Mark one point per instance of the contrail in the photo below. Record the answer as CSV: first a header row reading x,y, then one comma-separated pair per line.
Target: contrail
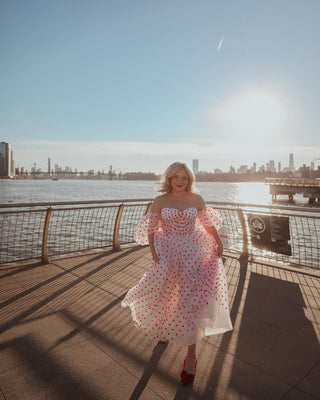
x,y
220,43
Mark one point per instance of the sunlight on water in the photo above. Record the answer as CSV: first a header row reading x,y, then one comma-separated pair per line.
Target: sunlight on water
x,y
256,193
240,192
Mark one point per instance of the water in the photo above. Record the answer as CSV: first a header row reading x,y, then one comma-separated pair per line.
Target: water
x,y
34,191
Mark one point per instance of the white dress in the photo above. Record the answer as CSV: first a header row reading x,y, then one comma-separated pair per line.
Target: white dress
x,y
184,296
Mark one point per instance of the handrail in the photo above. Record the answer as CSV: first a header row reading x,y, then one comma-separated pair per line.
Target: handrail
x,y
28,232
67,203
125,201
307,182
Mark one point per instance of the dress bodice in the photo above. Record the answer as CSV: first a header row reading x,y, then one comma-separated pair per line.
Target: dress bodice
x,y
173,221
179,222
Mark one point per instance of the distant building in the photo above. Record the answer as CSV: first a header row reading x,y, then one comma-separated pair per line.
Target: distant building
x,y
279,167
243,169
232,170
7,169
253,169
291,163
262,168
218,171
286,170
195,166
270,166
49,166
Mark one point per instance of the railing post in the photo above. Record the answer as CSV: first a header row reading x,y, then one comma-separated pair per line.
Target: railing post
x,y
244,253
116,244
45,258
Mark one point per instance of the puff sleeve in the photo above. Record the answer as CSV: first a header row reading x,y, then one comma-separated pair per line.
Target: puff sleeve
x,y
150,223
208,217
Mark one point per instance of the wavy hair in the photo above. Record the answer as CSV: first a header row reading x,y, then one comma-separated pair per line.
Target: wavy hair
x,y
165,182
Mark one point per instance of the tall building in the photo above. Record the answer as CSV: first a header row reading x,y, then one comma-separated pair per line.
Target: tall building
x,y
243,169
49,166
6,161
253,169
291,163
270,166
195,166
279,167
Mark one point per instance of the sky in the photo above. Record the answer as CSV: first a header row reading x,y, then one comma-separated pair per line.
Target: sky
x,y
138,84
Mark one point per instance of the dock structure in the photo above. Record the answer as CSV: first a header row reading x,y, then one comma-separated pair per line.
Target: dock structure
x,y
310,188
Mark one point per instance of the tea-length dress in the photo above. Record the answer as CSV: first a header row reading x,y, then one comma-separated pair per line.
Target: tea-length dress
x,y
182,297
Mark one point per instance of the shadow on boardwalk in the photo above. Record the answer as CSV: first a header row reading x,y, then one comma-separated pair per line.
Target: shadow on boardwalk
x,y
64,335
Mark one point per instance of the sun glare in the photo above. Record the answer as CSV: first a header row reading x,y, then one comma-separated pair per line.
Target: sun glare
x,y
255,114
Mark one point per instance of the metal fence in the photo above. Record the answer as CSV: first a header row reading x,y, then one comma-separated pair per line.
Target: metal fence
x,y
44,231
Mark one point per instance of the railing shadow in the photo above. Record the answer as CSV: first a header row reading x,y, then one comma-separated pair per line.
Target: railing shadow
x,y
150,368
66,288
257,293
16,269
269,333
60,383
210,391
275,347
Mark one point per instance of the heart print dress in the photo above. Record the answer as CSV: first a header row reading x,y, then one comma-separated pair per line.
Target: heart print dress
x,y
184,296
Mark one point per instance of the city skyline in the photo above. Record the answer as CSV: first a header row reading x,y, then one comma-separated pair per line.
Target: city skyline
x,y
271,166
149,83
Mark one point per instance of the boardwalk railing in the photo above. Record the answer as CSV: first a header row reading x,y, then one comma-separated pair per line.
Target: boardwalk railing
x,y
293,182
44,231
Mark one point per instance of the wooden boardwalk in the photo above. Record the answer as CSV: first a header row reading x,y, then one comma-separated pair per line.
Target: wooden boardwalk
x,y
65,336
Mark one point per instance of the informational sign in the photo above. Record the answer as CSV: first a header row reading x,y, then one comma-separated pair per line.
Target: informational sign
x,y
270,232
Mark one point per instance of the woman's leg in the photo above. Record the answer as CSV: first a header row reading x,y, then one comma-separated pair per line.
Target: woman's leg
x,y
190,367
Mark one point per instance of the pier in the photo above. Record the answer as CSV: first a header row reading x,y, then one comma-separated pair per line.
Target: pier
x,y
310,188
64,334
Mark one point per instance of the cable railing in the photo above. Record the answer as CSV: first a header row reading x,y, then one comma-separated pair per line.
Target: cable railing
x,y
45,231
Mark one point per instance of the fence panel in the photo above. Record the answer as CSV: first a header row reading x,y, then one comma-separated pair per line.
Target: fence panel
x,y
86,226
73,230
21,234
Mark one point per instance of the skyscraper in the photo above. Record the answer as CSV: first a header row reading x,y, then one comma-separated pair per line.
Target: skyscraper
x,y
279,167
291,163
6,161
195,166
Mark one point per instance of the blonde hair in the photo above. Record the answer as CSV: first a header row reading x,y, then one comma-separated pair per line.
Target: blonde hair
x,y
165,183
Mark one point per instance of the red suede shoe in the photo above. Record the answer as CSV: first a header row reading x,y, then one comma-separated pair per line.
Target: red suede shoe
x,y
185,377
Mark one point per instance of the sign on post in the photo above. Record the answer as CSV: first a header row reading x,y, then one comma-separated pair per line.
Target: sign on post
x,y
270,232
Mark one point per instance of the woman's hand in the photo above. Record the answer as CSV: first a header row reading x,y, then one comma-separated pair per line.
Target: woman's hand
x,y
155,257
220,249
152,249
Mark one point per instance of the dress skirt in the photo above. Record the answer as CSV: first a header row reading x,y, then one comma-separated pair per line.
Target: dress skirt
x,y
184,296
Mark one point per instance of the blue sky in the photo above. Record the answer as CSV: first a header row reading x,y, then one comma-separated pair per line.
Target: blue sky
x,y
142,83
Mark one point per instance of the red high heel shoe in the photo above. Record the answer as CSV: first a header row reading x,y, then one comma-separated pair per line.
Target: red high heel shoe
x,y
185,377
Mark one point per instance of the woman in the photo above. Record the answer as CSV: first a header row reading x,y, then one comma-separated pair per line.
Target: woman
x,y
183,296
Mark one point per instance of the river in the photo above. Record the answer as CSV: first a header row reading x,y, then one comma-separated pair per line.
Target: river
x,y
33,191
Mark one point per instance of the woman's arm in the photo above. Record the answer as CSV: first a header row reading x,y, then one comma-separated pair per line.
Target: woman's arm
x,y
152,249
212,231
156,208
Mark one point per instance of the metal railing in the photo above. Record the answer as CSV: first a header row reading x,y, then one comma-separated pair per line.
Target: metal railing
x,y
44,231
293,182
